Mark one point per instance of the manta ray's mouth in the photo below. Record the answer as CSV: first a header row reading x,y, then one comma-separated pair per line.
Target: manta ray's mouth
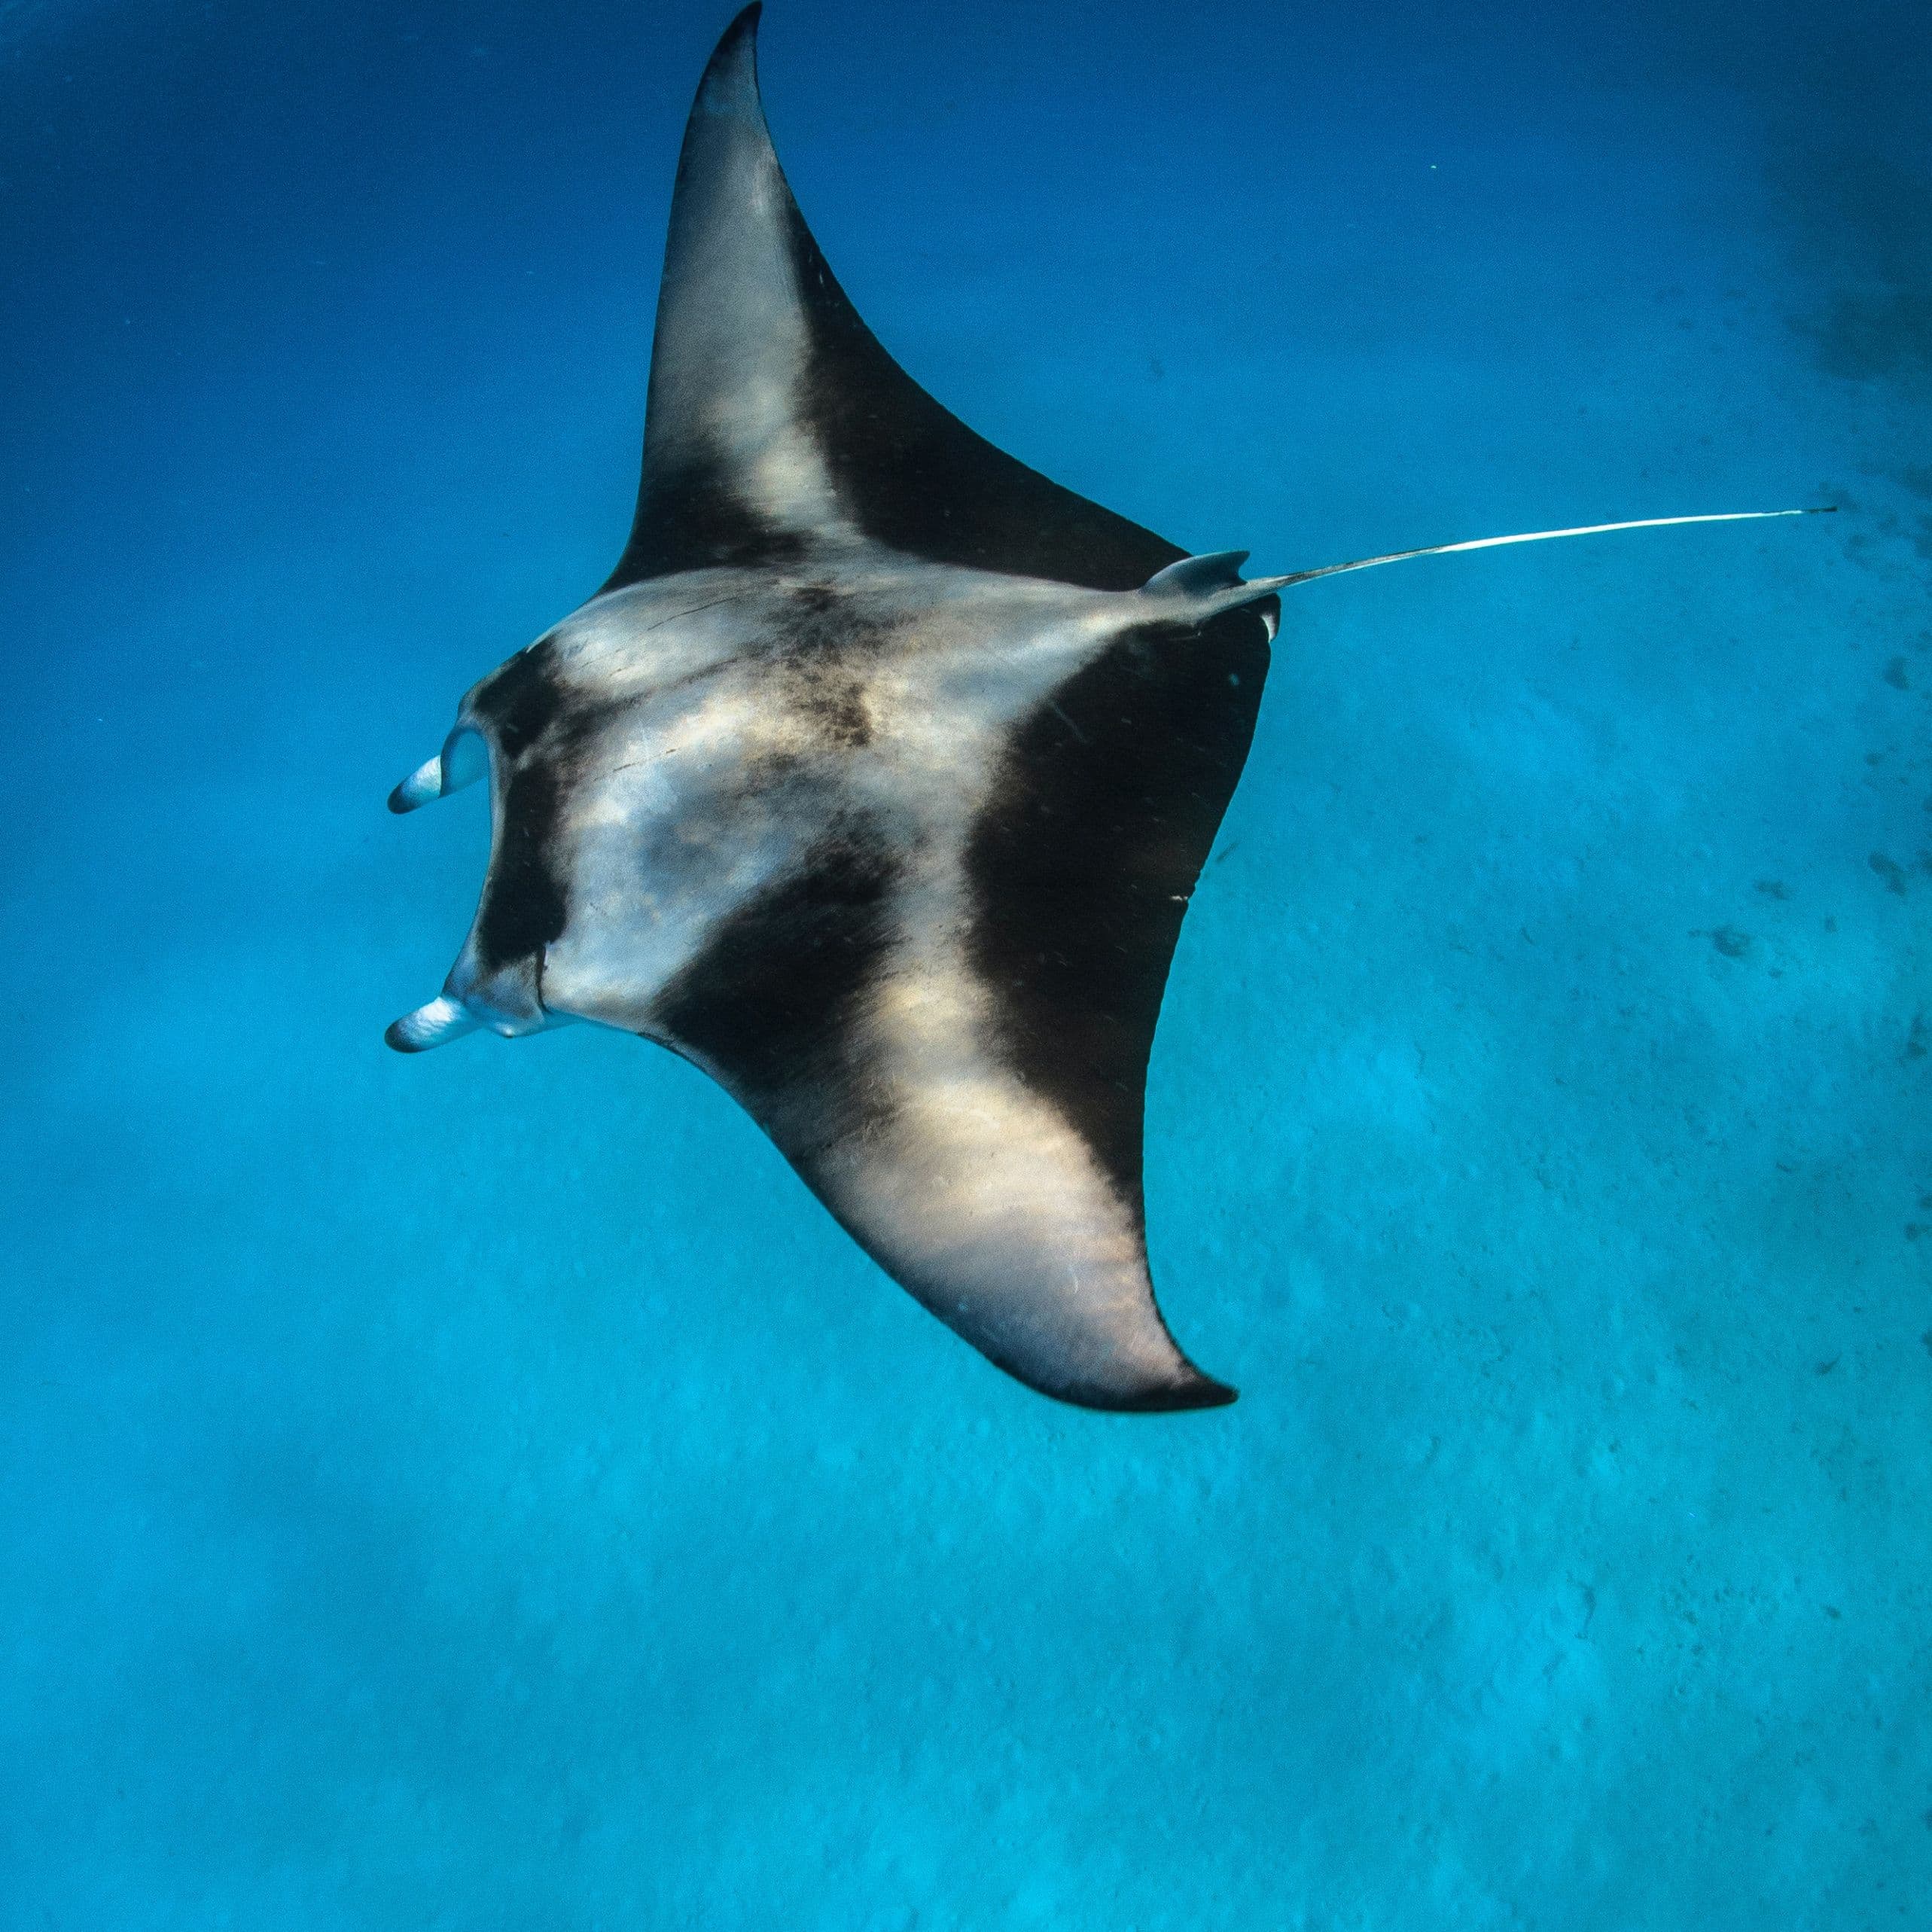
x,y
483,989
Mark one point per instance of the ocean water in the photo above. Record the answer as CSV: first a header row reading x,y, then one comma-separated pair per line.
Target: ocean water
x,y
485,1490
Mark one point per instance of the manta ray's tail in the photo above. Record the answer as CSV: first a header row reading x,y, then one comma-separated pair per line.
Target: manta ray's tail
x,y
1211,583
1540,537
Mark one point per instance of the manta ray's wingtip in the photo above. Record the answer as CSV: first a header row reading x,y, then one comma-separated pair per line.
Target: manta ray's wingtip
x,y
728,90
1190,1389
1203,1392
743,32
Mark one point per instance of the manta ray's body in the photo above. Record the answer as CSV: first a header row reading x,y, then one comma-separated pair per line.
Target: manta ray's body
x,y
875,781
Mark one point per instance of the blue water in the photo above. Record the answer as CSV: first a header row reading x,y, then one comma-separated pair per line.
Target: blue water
x,y
485,1490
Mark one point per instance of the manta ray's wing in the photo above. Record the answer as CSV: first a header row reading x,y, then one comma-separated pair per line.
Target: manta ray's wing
x,y
776,420
999,1176
949,1036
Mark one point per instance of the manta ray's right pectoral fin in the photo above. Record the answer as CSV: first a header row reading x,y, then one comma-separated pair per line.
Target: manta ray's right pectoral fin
x,y
461,761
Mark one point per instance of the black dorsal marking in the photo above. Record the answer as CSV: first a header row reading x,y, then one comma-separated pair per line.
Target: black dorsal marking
x,y
1106,809
771,1002
910,474
524,908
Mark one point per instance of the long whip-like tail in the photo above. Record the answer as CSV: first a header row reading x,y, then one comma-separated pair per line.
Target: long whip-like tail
x,y
1542,536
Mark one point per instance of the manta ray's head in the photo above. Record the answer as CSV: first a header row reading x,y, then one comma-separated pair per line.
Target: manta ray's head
x,y
496,980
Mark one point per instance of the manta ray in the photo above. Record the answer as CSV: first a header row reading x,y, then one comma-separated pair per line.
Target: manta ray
x,y
875,781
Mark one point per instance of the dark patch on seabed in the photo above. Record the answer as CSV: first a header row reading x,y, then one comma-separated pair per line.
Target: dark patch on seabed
x,y
1864,217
